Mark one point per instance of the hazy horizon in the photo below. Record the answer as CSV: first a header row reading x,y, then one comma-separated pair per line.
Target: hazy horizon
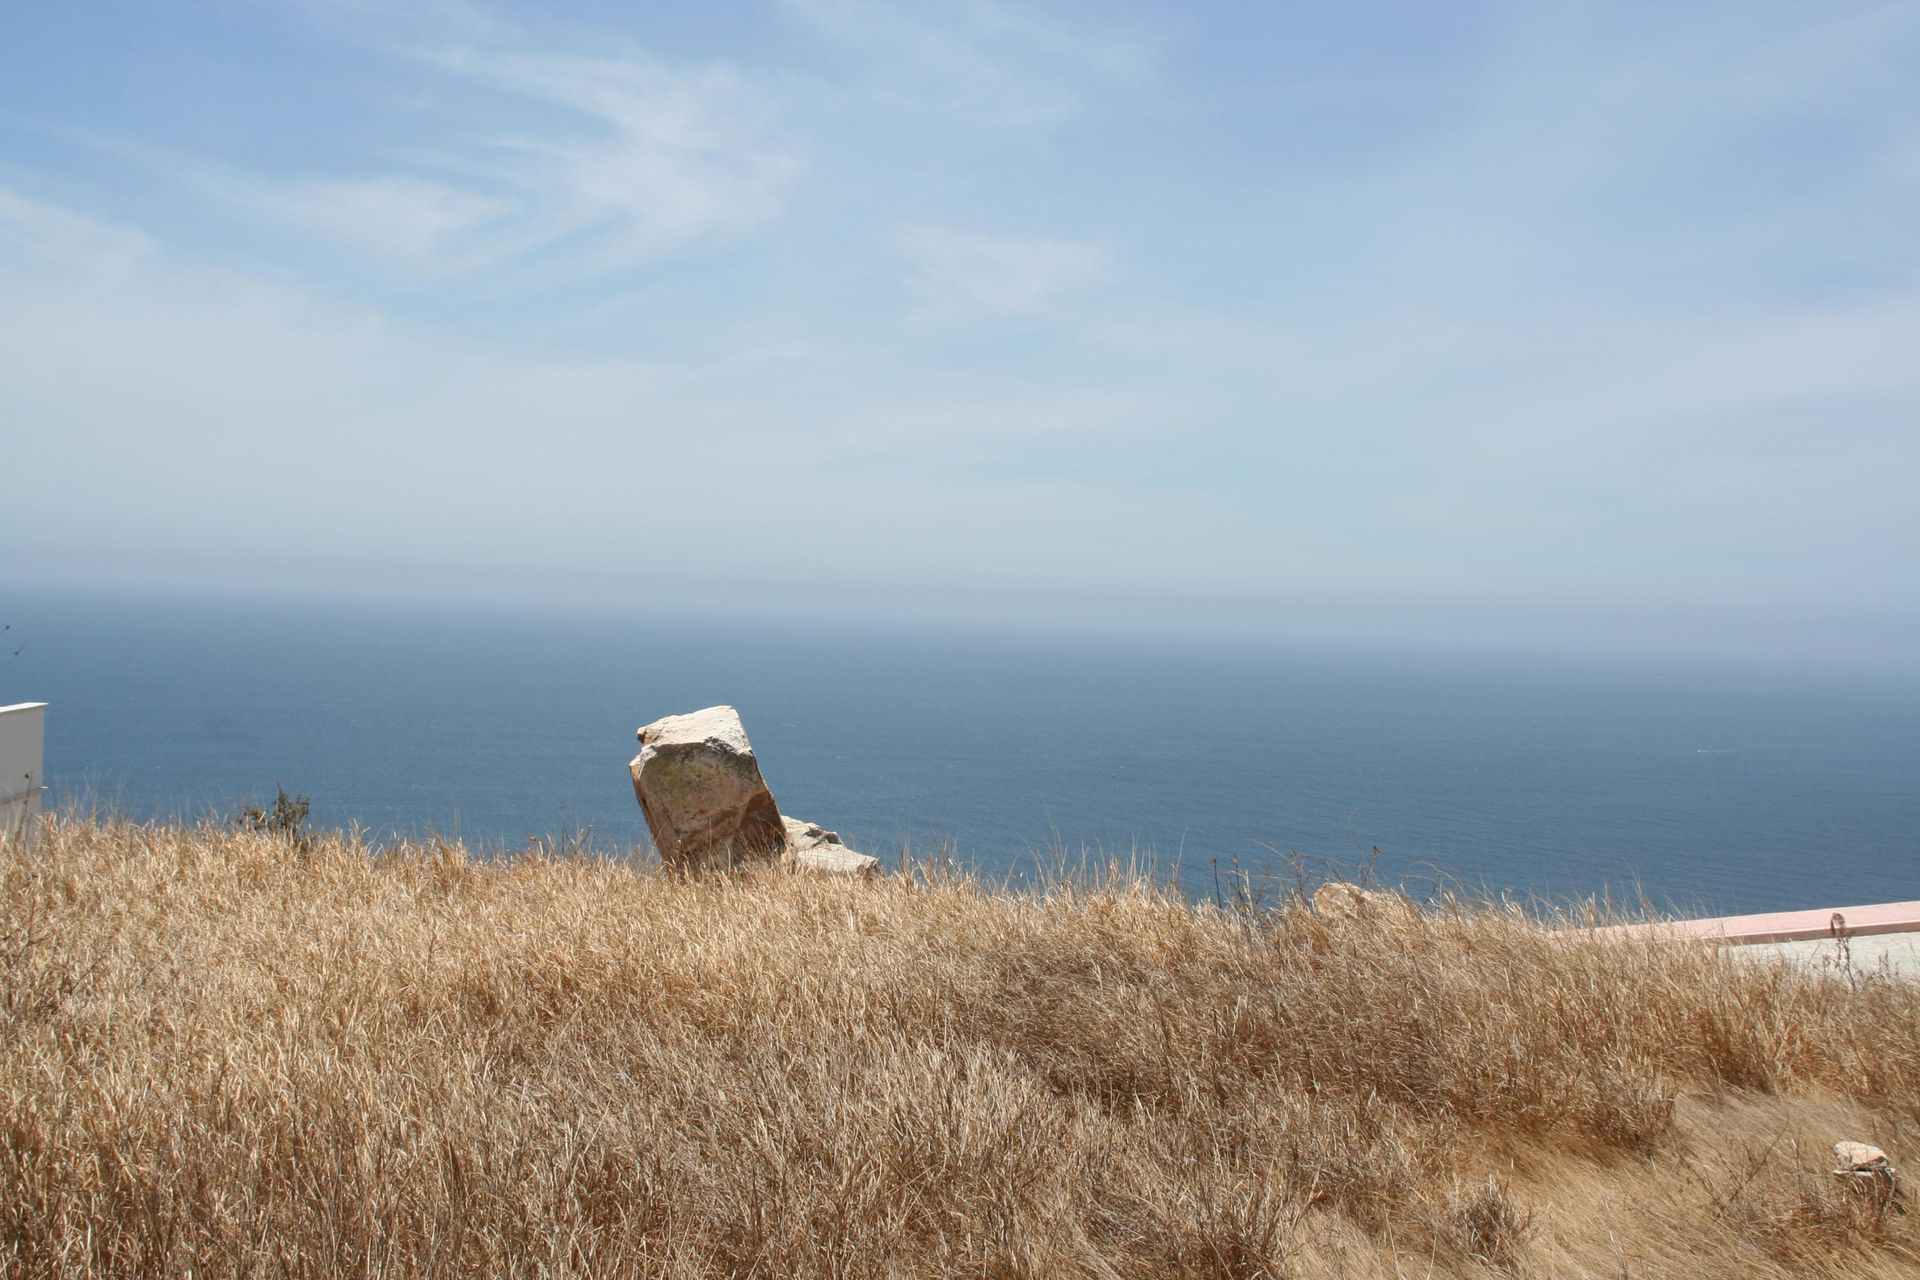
x,y
1580,328
1640,650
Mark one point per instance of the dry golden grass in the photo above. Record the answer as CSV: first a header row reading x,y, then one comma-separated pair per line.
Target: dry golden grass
x,y
223,1055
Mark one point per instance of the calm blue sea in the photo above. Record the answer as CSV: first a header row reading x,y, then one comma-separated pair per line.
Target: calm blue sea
x,y
1708,789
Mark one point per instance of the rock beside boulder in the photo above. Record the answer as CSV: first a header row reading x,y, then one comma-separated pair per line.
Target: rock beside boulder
x,y
700,788
813,848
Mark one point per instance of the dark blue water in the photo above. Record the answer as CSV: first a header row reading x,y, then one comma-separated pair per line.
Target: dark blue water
x,y
1708,789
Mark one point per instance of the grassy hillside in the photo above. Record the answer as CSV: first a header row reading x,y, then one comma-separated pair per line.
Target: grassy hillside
x,y
223,1055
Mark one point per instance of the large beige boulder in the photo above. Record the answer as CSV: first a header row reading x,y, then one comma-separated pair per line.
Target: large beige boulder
x,y
701,791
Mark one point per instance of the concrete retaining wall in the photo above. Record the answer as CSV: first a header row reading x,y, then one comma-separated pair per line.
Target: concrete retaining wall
x,y
22,736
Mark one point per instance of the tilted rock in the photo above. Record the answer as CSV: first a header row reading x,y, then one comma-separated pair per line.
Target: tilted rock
x,y
814,848
701,791
708,808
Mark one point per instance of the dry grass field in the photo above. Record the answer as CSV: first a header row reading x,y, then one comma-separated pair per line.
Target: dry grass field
x,y
224,1054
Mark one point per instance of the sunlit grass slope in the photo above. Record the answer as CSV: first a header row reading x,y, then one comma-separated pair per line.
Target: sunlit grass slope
x,y
225,1055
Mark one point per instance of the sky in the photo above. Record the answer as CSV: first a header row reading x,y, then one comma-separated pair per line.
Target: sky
x,y
1492,323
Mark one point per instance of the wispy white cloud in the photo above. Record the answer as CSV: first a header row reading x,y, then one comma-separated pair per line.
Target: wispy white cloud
x,y
989,61
655,159
402,219
615,158
34,235
950,267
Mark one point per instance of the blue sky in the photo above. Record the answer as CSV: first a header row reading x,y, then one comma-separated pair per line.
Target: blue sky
x,y
1588,324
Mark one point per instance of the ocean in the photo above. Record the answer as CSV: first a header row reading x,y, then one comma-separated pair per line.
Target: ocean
x,y
1707,790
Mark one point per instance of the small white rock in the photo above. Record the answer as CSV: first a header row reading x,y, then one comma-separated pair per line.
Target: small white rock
x,y
1858,1157
1339,900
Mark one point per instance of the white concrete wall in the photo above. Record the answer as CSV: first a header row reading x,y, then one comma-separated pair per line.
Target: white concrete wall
x,y
22,734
